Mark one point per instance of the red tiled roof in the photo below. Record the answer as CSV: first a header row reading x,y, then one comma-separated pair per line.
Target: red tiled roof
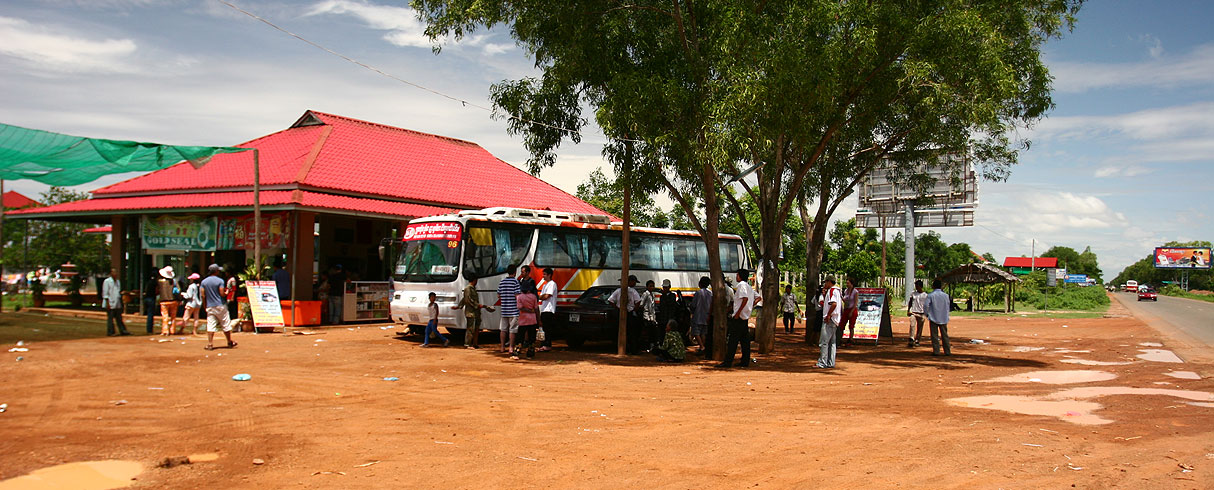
x,y
328,152
235,201
99,229
1029,262
17,200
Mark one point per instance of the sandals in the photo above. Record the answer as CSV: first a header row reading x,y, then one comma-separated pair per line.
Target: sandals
x,y
209,347
231,344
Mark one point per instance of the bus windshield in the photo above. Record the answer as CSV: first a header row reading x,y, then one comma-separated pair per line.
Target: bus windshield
x,y
431,253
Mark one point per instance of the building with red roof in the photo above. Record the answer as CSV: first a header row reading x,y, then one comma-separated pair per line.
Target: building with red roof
x,y
342,185
1024,265
17,200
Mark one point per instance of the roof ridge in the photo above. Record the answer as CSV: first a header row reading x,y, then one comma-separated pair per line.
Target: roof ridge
x,y
394,128
313,154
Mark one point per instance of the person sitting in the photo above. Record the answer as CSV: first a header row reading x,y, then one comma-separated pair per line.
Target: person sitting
x,y
671,349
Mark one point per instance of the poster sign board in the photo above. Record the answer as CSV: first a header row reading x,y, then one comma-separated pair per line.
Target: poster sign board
x,y
433,231
189,233
1182,258
263,301
1076,279
238,233
870,302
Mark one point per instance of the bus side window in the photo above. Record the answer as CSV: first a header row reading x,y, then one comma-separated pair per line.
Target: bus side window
x,y
489,251
560,248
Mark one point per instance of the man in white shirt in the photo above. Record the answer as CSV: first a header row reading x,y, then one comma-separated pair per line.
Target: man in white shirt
x,y
633,305
914,309
548,294
739,321
832,313
111,301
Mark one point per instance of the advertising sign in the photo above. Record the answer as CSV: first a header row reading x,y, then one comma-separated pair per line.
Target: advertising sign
x,y
264,303
433,231
1076,278
1182,257
178,233
870,302
237,233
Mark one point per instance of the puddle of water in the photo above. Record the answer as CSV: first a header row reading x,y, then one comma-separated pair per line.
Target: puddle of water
x,y
1158,355
1027,349
1098,391
1086,362
1183,374
202,458
1150,344
1075,411
1201,404
84,475
1055,377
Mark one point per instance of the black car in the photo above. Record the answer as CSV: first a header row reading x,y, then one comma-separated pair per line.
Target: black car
x,y
590,317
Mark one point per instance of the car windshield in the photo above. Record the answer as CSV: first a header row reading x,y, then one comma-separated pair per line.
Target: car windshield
x,y
596,296
428,261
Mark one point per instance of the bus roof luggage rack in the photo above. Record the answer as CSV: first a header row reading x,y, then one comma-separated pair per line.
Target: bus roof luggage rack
x,y
517,213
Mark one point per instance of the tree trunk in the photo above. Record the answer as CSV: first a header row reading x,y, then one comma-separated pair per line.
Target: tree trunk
x,y
815,238
712,218
770,239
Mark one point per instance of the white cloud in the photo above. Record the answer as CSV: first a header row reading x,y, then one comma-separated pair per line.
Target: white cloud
x,y
1195,68
402,23
1051,212
1120,171
52,49
1183,133
1154,45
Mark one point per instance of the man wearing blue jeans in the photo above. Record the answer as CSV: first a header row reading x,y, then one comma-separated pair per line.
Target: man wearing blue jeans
x,y
832,313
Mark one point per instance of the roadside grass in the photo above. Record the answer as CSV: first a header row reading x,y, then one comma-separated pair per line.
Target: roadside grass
x,y
33,327
1180,293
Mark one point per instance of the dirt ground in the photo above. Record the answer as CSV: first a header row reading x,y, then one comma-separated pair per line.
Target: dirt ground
x,y
318,409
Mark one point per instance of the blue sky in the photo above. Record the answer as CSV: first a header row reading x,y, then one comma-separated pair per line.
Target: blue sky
x,y
1122,164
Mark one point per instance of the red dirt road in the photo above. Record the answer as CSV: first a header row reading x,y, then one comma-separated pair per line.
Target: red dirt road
x,y
317,408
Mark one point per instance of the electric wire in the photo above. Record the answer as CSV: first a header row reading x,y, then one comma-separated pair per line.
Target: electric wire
x,y
374,69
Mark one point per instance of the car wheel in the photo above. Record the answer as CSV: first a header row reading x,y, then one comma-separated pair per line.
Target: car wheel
x,y
455,335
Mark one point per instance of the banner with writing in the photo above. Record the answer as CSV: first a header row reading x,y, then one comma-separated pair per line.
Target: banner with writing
x,y
190,233
870,302
264,303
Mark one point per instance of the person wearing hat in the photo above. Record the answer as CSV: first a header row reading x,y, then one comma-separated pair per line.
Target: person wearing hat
x,y
193,303
668,304
832,314
168,300
214,291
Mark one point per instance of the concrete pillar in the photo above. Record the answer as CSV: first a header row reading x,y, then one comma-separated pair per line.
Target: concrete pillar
x,y
118,249
299,258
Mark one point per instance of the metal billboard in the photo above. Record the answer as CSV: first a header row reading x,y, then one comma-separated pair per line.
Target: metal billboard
x,y
945,193
1182,257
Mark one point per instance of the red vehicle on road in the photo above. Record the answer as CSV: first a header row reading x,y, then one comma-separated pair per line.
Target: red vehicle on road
x,y
1146,293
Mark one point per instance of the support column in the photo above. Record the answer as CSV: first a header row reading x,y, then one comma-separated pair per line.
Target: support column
x,y
909,239
300,256
118,246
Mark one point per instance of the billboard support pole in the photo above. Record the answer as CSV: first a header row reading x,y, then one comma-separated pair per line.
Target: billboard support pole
x,y
909,224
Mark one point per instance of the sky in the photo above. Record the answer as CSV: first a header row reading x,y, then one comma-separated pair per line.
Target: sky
x,y
1122,163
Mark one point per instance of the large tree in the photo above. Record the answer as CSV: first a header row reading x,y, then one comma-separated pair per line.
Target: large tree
x,y
690,93
55,243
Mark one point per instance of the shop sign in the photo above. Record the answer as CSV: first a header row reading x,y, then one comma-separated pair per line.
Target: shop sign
x,y
433,231
191,233
237,233
264,304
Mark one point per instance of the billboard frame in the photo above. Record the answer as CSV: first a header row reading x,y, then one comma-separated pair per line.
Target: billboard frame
x,y
1201,254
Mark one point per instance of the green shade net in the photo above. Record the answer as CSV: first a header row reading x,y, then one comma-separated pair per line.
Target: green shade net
x,y
65,160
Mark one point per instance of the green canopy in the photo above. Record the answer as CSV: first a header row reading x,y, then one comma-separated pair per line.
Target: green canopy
x,y
65,160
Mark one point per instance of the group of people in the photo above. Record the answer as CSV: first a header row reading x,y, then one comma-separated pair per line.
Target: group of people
x,y
526,306
838,312
212,295
182,301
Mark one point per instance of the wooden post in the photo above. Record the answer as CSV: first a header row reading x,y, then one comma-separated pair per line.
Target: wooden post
x,y
625,295
256,215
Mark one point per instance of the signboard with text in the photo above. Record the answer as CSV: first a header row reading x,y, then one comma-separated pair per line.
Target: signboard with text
x,y
190,233
237,233
870,302
264,303
433,231
1182,257
1076,278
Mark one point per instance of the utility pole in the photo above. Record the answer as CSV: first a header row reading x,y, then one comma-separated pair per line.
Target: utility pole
x,y
910,249
1033,263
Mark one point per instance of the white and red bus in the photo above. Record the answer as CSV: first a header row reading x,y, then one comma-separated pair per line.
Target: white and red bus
x,y
583,250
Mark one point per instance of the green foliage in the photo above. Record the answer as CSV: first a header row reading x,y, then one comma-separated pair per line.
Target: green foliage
x,y
608,195
1174,290
792,238
54,243
1032,291
1075,262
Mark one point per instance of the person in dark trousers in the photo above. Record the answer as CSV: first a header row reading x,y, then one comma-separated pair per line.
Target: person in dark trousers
x,y
149,300
337,293
739,322
111,301
282,279
632,303
937,306
548,294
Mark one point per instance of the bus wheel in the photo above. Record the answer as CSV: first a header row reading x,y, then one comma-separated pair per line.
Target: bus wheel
x,y
574,341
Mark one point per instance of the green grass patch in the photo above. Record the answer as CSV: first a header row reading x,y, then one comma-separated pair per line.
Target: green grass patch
x,y
1172,290
34,327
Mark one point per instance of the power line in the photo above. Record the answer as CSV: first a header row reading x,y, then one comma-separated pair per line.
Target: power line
x,y
463,102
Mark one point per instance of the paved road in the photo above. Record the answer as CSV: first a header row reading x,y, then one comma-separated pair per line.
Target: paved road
x,y
1193,318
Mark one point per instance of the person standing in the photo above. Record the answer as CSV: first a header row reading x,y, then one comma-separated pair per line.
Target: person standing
x,y
850,312
282,279
936,306
471,303
168,300
832,313
649,315
337,293
149,300
668,305
632,307
528,320
111,301
214,291
524,277
432,323
233,285
701,312
193,303
914,309
739,321
789,305
548,295
507,296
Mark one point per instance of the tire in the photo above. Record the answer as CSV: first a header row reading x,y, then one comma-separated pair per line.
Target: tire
x,y
574,341
455,334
